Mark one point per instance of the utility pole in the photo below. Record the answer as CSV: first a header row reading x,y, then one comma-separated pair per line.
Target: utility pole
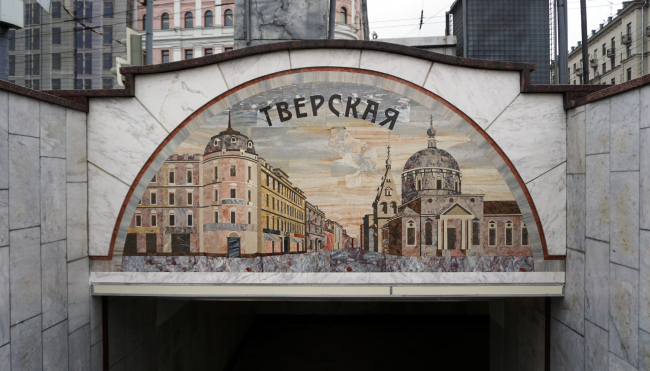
x,y
562,42
149,29
585,45
332,19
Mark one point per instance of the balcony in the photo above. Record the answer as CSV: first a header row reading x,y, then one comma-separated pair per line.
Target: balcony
x,y
626,39
647,31
579,71
593,63
611,52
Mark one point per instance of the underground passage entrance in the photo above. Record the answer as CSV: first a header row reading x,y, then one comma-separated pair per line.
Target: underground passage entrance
x,y
163,334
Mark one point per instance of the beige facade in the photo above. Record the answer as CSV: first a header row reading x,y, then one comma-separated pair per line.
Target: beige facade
x,y
618,50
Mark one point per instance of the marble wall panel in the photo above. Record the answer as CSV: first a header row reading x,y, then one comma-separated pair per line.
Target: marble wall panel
x,y
241,70
97,357
549,195
617,364
598,127
172,97
624,218
4,217
105,197
5,309
597,283
644,282
596,348
576,140
52,130
5,358
76,146
324,57
598,186
576,211
567,348
55,347
408,68
79,349
77,220
95,320
644,350
645,179
54,287
570,309
624,131
530,121
624,313
24,116
26,345
78,294
644,100
123,147
24,182
482,95
25,274
4,140
53,199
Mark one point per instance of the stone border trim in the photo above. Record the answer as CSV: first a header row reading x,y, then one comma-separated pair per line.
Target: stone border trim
x,y
229,92
608,92
80,104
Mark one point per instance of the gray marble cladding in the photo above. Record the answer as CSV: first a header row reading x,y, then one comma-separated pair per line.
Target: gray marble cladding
x,y
54,290
23,116
597,127
25,274
570,309
576,211
5,321
644,179
576,141
76,146
567,348
24,182
624,218
52,130
5,358
625,131
644,282
624,313
53,199
596,348
4,140
78,294
345,260
26,345
598,192
77,220
4,217
597,283
79,349
55,347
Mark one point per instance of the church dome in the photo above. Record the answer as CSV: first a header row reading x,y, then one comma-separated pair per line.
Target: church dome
x,y
230,140
431,157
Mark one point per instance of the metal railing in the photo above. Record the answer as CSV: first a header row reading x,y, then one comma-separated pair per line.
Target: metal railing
x,y
579,71
626,39
593,63
611,52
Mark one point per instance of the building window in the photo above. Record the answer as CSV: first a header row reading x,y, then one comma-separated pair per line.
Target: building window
x,y
28,64
393,208
107,83
153,180
216,217
267,200
189,177
418,185
389,191
12,40
208,51
476,233
165,56
172,198
209,19
189,54
189,20
508,233
216,173
107,61
172,176
84,63
152,198
344,16
456,186
56,10
249,217
12,65
410,234
165,21
216,195
439,183
384,208
629,74
492,234
108,9
56,35
250,196
233,193
613,44
227,49
250,176
108,34
172,220
227,18
614,81
524,234
138,220
604,68
604,50
190,197
233,217
144,21
154,220
56,84
233,170
428,234
190,221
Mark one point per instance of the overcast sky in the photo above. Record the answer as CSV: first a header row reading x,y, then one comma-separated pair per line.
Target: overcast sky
x,y
401,18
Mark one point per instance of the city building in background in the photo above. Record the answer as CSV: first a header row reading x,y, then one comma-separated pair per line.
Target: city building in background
x,y
504,30
439,44
72,47
618,49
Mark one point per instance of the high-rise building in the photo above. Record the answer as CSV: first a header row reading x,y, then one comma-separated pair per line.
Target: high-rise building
x,y
504,30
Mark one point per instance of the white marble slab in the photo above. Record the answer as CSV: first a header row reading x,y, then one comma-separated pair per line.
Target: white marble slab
x,y
24,181
596,348
549,195
5,357
597,283
79,349
122,147
78,295
172,97
598,197
4,217
644,350
96,357
576,141
54,287
644,197
27,345
598,127
52,130
624,129
105,197
624,313
408,68
77,220
576,211
617,364
5,308
570,309
24,115
480,94
532,133
644,282
567,348
25,274
55,347
644,100
239,71
324,58
624,218
75,144
95,320
4,140
53,199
